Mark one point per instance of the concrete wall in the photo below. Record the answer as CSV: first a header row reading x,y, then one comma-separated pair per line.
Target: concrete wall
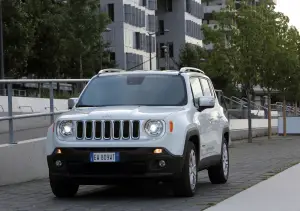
x,y
292,125
27,161
23,162
35,104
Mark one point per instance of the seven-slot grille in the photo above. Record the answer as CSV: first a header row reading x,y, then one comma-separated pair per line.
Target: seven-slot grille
x,y
108,129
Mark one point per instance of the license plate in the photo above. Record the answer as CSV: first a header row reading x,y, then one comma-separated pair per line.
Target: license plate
x,y
104,157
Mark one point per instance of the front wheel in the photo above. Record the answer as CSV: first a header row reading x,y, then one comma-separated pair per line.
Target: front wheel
x,y
219,174
63,188
185,185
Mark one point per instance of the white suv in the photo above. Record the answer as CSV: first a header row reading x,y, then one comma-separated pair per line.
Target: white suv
x,y
126,126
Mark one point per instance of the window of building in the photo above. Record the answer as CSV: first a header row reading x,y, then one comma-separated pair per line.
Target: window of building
x,y
151,23
153,44
152,4
112,56
169,5
161,27
188,6
111,11
144,3
127,13
137,40
171,49
147,43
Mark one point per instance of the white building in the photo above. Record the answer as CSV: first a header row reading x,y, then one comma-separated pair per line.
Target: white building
x,y
183,20
132,22
135,20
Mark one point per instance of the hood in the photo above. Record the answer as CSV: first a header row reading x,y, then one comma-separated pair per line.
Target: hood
x,y
121,112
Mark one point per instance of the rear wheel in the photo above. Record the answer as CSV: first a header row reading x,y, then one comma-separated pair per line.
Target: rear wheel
x,y
63,188
185,184
219,174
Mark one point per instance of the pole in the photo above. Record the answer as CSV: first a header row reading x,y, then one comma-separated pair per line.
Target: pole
x,y
2,87
150,51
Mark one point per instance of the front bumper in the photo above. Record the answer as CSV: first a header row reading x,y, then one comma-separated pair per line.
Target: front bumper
x,y
134,163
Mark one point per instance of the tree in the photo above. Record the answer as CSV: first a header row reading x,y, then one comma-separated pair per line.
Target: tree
x,y
237,39
18,37
47,53
270,21
54,38
211,63
287,64
83,27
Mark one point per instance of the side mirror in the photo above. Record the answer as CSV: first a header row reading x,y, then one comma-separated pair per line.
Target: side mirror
x,y
206,102
72,102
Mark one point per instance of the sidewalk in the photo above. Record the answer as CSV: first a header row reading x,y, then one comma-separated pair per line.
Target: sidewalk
x,y
278,193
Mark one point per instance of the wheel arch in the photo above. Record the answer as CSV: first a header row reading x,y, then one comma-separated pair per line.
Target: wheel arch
x,y
193,135
226,135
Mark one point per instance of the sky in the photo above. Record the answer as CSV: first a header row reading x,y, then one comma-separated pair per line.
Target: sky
x,y
290,8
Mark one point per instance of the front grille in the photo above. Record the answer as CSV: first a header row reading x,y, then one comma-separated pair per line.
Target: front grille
x,y
108,129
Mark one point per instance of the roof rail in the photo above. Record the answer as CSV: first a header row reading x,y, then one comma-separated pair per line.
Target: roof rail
x,y
190,69
110,71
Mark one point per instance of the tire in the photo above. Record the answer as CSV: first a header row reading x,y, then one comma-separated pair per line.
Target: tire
x,y
63,188
182,185
219,174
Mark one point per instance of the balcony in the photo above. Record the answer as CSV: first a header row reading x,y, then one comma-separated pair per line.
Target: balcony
x,y
213,8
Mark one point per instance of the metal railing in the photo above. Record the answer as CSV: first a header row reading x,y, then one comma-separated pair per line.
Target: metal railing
x,y
20,107
12,117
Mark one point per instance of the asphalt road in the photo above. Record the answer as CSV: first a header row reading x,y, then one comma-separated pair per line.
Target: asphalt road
x,y
250,164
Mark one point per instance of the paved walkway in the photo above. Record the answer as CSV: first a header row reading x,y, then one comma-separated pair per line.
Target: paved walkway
x,y
278,193
250,164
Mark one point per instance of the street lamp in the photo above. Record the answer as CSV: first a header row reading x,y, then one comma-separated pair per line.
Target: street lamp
x,y
1,50
101,47
150,44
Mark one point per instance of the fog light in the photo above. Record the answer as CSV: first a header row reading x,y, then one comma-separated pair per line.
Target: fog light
x,y
58,151
162,163
157,151
58,163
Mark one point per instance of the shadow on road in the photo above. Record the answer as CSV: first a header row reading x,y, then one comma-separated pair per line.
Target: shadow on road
x,y
131,192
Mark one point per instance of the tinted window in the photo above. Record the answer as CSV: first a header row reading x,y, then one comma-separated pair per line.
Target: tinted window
x,y
206,88
135,89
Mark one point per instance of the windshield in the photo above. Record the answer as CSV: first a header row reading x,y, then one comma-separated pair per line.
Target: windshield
x,y
135,89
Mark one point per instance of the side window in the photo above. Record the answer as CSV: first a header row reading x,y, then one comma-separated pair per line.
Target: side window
x,y
196,88
206,88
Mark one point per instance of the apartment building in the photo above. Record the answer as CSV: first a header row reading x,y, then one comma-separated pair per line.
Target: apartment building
x,y
165,25
182,19
132,32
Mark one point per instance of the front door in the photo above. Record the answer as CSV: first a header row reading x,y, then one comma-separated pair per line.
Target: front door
x,y
202,119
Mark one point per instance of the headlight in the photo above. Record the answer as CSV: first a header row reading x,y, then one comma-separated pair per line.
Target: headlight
x,y
154,127
66,128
